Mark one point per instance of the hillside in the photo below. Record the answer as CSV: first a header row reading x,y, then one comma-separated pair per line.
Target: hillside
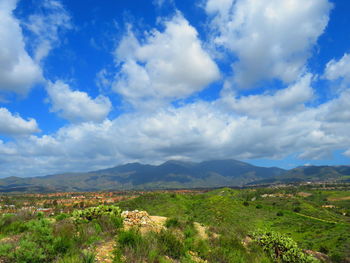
x,y
172,175
311,174
304,224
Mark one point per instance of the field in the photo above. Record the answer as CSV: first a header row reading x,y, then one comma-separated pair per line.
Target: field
x,y
221,225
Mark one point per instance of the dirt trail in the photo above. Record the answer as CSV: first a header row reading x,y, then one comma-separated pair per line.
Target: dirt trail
x,y
344,198
104,252
11,239
321,220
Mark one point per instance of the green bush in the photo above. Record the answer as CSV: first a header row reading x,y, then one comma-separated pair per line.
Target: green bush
x,y
281,248
129,238
12,224
152,247
173,222
64,232
297,209
92,213
62,216
37,245
279,213
83,257
170,245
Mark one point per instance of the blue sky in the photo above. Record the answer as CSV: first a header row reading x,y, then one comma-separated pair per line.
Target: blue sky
x,y
90,85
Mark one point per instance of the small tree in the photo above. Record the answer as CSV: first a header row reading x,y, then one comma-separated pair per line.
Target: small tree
x,y
281,248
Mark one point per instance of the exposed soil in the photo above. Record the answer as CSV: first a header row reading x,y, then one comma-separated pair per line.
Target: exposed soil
x,y
104,252
339,198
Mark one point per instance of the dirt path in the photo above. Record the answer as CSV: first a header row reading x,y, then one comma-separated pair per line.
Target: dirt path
x,y
339,198
104,252
322,220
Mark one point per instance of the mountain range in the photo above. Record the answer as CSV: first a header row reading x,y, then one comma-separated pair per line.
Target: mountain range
x,y
173,174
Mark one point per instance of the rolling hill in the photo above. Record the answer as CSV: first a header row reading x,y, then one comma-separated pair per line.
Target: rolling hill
x,y
173,174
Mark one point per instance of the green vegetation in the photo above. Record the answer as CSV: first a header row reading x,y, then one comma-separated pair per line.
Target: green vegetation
x,y
38,239
281,248
225,212
224,225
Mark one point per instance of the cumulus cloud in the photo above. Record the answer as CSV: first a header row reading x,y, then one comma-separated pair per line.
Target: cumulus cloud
x,y
77,106
197,131
339,69
13,124
172,64
167,65
271,39
338,109
47,26
288,100
18,71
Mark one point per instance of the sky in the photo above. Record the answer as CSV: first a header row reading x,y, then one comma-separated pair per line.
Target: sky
x,y
91,84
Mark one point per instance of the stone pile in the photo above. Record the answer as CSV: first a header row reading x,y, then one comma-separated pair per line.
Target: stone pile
x,y
136,218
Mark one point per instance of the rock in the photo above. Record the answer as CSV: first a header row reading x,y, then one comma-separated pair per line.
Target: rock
x,y
142,220
318,255
246,241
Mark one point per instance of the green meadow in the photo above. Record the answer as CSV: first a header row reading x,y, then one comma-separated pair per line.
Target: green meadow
x,y
241,225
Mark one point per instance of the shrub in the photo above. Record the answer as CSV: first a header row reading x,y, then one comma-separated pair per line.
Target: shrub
x,y
62,216
279,213
12,224
64,232
259,206
170,245
129,238
297,209
151,248
37,245
92,213
83,257
281,248
324,250
173,222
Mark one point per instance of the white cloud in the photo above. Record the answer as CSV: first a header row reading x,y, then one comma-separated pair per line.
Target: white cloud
x,y
13,125
166,65
268,106
197,131
160,3
339,69
338,109
172,64
47,26
271,39
77,106
347,153
18,71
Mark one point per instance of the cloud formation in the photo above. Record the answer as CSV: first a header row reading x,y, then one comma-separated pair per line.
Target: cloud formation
x,y
262,40
339,69
18,71
77,106
197,131
13,125
47,27
271,39
167,65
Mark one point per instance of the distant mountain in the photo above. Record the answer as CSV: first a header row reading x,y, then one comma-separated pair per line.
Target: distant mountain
x,y
174,174
339,173
171,174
